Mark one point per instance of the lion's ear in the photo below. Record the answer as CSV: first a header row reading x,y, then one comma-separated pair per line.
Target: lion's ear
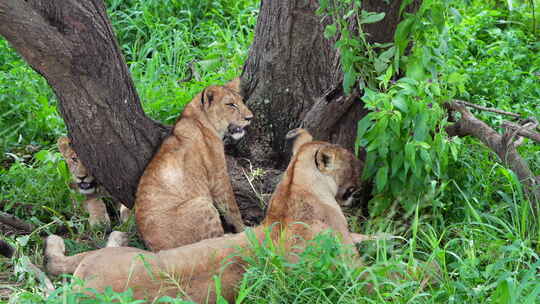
x,y
207,96
63,145
234,85
325,159
299,136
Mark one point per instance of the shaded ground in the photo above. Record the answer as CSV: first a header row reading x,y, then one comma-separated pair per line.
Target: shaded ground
x,y
252,188
6,266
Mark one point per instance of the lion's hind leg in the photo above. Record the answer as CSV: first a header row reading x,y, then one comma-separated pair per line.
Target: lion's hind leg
x,y
56,261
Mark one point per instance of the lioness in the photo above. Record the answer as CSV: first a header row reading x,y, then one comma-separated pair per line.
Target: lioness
x,y
185,187
319,177
86,184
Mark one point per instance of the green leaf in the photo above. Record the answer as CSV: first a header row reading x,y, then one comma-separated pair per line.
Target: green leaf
x,y
420,126
415,69
330,31
410,154
363,125
397,163
370,17
401,37
381,178
349,81
454,151
399,102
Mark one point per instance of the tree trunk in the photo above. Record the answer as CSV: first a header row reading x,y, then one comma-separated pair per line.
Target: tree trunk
x,y
293,78
71,43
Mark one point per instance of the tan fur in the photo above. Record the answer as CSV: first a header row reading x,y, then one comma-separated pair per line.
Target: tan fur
x,y
185,187
300,137
58,263
308,193
86,184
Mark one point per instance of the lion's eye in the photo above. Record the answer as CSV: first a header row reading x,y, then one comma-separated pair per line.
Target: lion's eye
x,y
232,105
348,192
75,159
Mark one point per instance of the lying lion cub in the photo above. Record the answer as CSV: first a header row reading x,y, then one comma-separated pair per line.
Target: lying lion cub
x,y
318,178
86,184
185,187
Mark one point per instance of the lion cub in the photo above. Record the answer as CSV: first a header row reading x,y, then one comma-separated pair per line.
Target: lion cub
x,y
185,187
86,184
319,178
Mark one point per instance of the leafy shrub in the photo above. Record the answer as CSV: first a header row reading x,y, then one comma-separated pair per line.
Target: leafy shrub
x,y
40,185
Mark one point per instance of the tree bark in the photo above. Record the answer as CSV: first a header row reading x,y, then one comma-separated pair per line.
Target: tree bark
x,y
293,78
72,44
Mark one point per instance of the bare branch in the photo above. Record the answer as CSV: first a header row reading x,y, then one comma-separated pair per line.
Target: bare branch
x,y
15,222
472,105
522,130
502,145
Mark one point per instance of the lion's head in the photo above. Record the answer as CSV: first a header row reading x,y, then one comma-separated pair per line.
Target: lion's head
x,y
343,167
86,184
335,162
224,108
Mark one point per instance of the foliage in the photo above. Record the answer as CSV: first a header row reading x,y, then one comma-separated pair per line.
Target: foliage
x,y
437,54
403,134
160,38
40,183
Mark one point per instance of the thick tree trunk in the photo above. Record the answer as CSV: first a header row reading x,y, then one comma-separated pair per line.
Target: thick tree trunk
x,y
72,44
293,77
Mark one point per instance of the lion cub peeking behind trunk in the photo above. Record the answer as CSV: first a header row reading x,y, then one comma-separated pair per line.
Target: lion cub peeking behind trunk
x,y
87,185
185,187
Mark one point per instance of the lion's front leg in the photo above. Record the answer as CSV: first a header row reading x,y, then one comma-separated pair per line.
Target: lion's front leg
x,y
223,197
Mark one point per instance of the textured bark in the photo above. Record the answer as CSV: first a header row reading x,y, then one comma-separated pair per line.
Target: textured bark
x,y
72,44
290,63
293,78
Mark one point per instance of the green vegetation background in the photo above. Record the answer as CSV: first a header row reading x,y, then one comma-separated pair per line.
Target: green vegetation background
x,y
473,235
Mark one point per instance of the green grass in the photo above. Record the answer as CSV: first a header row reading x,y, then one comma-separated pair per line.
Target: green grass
x,y
471,239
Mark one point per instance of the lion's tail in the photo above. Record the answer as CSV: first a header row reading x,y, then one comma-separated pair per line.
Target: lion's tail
x,y
299,136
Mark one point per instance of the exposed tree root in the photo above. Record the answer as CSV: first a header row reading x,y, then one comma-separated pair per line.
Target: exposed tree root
x,y
15,222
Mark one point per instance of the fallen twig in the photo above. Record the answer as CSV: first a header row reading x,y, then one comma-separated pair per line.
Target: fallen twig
x,y
192,73
16,222
8,251
48,286
472,105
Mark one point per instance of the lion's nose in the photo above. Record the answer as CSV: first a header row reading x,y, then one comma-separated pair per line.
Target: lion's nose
x,y
248,118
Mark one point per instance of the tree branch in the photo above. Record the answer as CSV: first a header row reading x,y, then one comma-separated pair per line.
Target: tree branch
x,y
501,144
472,105
15,222
522,131
327,111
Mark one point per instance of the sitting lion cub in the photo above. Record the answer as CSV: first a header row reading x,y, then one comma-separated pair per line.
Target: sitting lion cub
x,y
86,185
319,178
186,187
